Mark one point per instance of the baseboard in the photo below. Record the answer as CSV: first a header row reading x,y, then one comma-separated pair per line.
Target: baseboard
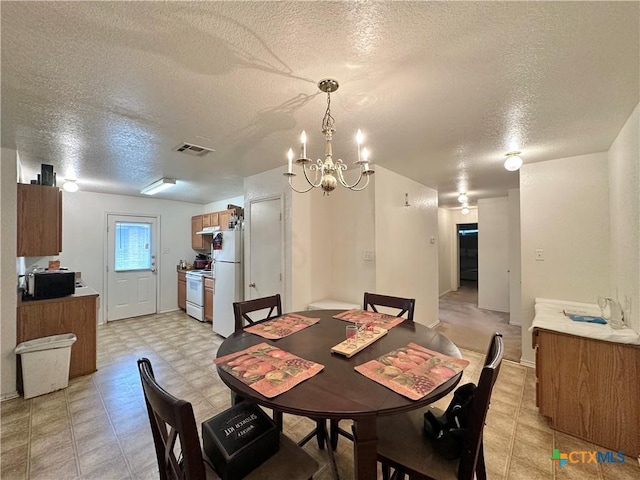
x,y
527,363
444,293
9,396
434,324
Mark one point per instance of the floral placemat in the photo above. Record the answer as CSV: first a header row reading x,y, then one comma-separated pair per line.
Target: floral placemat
x,y
412,371
269,370
282,326
382,320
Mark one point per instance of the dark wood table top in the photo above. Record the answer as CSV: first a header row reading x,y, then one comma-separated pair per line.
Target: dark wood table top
x,y
339,391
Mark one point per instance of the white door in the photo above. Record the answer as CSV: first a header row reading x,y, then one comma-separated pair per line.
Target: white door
x,y
131,266
265,245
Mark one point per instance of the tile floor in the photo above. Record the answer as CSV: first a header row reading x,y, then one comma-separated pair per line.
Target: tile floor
x,y
98,428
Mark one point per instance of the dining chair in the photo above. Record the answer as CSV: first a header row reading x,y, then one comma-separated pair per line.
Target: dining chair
x,y
177,444
403,446
403,305
371,301
269,307
273,307
241,311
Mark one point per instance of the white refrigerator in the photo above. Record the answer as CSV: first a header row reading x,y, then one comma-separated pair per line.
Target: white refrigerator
x,y
229,284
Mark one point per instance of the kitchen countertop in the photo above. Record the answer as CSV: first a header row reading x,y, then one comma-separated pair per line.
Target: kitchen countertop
x,y
80,292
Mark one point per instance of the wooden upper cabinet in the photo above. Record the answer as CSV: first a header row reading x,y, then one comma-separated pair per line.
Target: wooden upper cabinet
x,y
210,219
39,220
223,218
197,241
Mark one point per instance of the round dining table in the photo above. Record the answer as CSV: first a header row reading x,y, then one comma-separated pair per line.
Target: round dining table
x,y
338,391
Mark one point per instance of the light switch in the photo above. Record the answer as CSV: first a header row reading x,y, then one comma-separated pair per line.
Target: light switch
x,y
539,255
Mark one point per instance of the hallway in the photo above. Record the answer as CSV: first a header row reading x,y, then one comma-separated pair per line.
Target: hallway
x,y
471,327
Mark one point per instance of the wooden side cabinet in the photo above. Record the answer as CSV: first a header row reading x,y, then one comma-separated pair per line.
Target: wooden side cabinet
x,y
39,220
78,315
589,388
208,299
182,289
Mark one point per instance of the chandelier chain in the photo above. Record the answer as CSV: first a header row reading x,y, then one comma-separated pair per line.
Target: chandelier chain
x,y
328,121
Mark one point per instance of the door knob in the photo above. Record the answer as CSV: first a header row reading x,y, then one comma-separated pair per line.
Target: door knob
x,y
252,285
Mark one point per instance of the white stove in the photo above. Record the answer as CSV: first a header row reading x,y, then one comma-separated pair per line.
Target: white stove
x,y
195,292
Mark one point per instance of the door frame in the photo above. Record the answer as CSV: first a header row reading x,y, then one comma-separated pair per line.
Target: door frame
x,y
247,244
105,260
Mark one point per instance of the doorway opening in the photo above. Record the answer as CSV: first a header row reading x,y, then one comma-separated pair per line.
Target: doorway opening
x,y
468,261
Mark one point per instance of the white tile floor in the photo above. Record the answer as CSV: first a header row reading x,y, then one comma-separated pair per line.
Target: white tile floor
x,y
98,428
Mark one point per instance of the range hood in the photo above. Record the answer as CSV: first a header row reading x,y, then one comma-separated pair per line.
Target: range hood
x,y
209,230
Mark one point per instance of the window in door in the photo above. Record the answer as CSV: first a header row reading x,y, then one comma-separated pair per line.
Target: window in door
x,y
132,246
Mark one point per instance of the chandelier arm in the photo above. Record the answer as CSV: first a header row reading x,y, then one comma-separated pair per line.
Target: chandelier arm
x,y
315,168
296,190
362,187
340,167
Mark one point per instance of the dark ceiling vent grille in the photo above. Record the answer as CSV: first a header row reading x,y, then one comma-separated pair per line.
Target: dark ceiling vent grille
x,y
193,150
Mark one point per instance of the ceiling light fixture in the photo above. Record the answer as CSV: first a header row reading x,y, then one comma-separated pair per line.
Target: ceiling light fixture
x,y
465,209
330,172
70,186
463,198
158,186
513,161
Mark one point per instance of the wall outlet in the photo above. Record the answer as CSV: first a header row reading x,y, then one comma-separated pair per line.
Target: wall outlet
x,y
367,256
539,255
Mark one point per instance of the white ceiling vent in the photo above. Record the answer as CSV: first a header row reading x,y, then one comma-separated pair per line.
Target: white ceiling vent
x,y
193,150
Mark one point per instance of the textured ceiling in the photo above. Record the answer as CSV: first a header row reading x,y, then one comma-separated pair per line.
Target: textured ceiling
x,y
442,90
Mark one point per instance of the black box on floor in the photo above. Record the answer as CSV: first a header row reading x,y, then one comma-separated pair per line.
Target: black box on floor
x,y
239,439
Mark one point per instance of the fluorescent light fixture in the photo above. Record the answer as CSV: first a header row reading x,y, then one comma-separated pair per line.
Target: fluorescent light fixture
x,y
158,186
70,186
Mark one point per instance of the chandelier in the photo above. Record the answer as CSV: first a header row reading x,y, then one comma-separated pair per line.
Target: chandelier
x,y
328,173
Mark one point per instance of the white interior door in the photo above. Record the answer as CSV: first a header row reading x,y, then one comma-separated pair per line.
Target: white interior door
x,y
265,270
131,266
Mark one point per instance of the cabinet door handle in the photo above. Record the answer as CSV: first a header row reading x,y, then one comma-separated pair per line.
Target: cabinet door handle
x,y
252,285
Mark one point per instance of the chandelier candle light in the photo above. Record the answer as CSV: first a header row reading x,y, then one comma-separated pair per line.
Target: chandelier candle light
x,y
330,172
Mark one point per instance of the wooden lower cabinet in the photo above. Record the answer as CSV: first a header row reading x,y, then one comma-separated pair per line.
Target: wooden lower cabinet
x,y
182,290
208,299
589,388
78,315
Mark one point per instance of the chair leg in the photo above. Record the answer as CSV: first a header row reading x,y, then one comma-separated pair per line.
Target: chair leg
x,y
481,470
386,471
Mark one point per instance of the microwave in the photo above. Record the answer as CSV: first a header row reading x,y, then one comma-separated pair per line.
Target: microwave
x,y
50,284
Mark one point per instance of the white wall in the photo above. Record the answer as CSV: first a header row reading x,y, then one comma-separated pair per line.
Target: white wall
x,y
493,254
8,278
222,204
406,261
624,199
84,238
352,233
564,210
515,273
445,246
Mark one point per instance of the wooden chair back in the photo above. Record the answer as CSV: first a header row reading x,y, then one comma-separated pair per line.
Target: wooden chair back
x,y
472,453
241,310
172,420
404,305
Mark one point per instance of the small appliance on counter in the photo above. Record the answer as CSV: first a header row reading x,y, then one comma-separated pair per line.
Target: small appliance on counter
x,y
50,284
202,262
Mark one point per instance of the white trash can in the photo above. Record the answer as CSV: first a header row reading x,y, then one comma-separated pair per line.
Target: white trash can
x,y
45,364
